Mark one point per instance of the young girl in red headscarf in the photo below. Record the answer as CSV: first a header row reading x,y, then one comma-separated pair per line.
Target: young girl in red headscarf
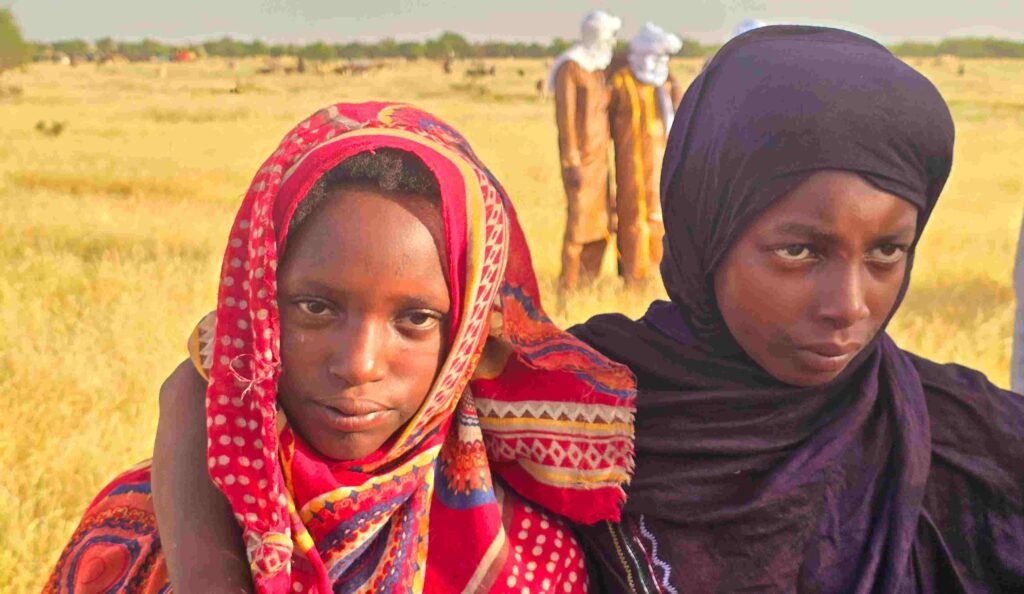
x,y
388,407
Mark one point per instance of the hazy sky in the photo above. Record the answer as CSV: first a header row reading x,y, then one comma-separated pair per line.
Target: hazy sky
x,y
342,20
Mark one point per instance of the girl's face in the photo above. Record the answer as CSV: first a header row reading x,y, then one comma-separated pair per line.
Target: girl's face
x,y
812,280
364,314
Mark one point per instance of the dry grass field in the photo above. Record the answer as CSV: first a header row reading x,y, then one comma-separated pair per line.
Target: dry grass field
x,y
111,235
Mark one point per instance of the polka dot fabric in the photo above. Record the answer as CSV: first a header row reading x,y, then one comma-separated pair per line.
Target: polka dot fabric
x,y
545,556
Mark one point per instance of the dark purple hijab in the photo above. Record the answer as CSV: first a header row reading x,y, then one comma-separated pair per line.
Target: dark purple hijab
x,y
900,475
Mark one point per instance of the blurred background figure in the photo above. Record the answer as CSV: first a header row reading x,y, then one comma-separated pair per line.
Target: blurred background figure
x,y
747,25
578,81
1017,357
744,27
644,96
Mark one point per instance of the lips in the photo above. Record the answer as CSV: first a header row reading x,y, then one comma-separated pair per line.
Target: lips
x,y
351,416
826,357
830,349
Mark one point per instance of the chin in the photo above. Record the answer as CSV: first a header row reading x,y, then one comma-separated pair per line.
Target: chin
x,y
344,449
345,454
805,379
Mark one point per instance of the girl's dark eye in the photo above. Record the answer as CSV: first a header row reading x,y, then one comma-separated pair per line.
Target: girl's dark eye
x,y
420,320
889,253
315,308
793,253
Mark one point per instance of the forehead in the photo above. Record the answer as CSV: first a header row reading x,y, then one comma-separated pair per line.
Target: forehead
x,y
379,231
842,201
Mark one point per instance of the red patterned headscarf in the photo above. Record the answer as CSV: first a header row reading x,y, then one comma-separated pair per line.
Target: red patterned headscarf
x,y
537,410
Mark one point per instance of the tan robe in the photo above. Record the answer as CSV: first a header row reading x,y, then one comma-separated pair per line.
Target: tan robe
x,y
638,131
581,112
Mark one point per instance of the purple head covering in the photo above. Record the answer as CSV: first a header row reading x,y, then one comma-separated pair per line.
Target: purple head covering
x,y
745,483
774,105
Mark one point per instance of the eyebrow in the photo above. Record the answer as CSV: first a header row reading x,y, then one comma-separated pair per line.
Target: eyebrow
x,y
804,230
817,234
420,303
314,285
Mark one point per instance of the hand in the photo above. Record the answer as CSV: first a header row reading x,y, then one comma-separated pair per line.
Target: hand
x,y
573,177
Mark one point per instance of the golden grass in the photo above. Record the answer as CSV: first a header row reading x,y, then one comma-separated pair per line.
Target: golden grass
x,y
110,240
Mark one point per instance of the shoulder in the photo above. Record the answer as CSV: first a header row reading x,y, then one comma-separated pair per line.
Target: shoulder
x,y
956,382
960,395
603,326
977,428
568,68
975,490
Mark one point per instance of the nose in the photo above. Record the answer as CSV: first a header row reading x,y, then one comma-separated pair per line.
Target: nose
x,y
843,296
359,355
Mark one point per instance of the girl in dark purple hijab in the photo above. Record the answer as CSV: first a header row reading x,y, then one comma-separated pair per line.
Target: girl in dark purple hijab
x,y
784,442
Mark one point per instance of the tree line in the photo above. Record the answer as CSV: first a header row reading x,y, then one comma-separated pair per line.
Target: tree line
x,y
965,47
14,50
441,47
455,45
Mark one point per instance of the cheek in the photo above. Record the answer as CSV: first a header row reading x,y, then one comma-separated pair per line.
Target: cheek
x,y
295,363
753,298
416,367
883,293
300,348
760,305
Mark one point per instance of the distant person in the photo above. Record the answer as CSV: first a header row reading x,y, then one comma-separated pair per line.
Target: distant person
x,y
643,100
746,26
581,113
1017,358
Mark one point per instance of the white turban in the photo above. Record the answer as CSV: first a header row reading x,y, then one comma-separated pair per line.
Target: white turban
x,y
652,39
594,49
598,28
649,51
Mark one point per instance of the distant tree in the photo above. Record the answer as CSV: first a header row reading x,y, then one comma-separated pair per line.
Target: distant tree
x,y
13,49
39,51
106,46
385,48
276,51
411,50
72,47
913,49
446,44
257,48
535,50
145,50
558,45
318,51
226,47
350,51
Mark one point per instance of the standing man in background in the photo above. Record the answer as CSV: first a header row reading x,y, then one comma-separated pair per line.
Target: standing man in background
x,y
643,101
581,112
